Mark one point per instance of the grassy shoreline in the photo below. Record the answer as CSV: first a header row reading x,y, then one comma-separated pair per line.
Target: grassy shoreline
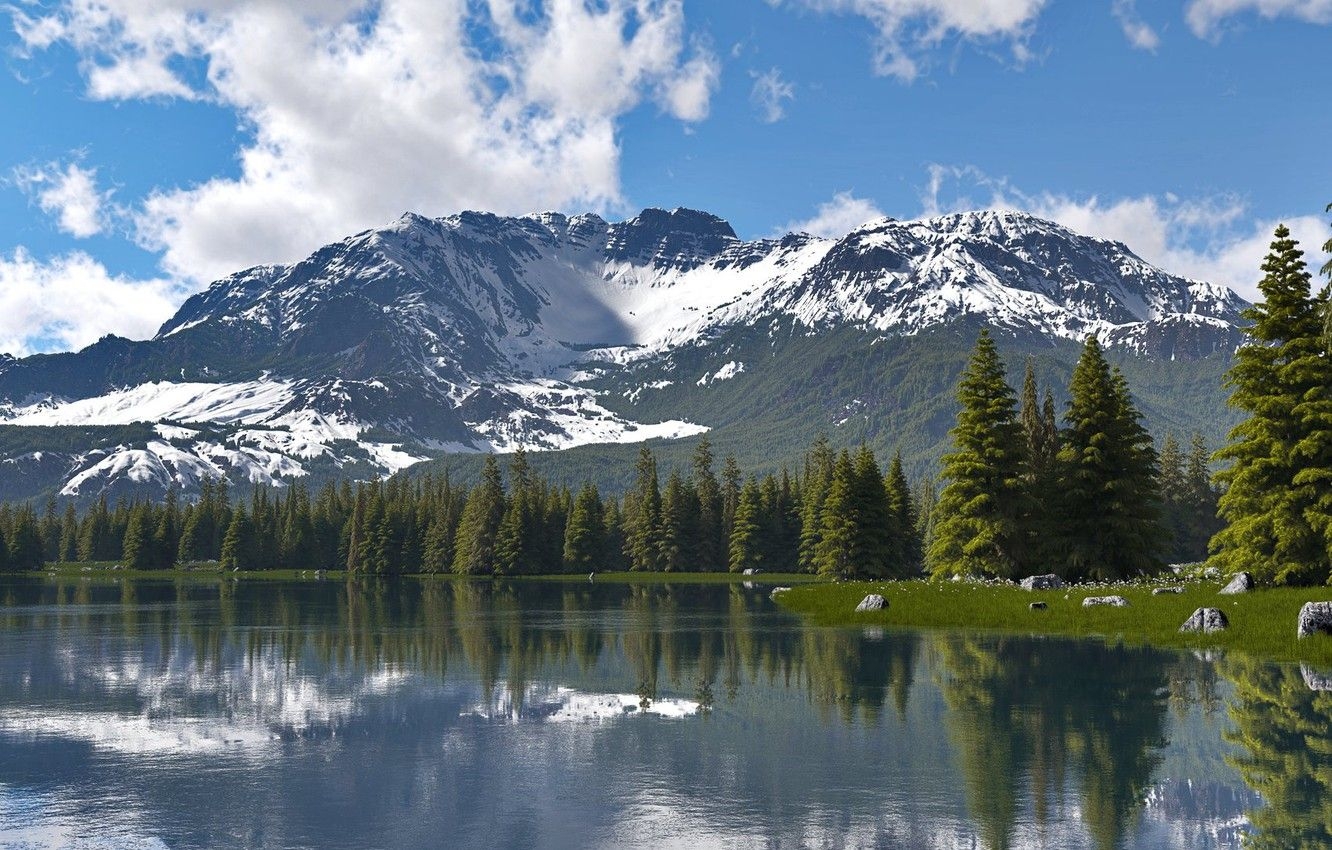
x,y
1262,622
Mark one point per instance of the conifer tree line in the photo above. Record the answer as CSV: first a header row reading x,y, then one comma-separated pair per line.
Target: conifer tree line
x,y
1085,496
842,515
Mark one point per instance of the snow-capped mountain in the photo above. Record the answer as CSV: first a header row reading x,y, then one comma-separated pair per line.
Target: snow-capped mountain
x,y
479,333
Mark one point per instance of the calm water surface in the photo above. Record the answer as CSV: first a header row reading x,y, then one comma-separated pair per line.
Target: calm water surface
x,y
531,714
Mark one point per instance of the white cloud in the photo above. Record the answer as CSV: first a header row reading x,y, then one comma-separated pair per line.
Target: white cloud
x,y
1215,239
1138,32
360,110
72,301
769,95
1207,17
70,195
837,217
909,29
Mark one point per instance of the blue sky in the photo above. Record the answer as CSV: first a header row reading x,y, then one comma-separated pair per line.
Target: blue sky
x,y
154,145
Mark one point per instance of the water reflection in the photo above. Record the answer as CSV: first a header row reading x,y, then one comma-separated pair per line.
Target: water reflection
x,y
530,714
1284,729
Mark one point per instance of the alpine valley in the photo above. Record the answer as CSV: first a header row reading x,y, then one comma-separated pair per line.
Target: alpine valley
x,y
427,342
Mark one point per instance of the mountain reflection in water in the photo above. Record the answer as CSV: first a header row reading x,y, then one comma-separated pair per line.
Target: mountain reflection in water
x,y
529,714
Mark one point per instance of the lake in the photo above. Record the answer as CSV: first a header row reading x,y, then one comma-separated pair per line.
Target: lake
x,y
541,714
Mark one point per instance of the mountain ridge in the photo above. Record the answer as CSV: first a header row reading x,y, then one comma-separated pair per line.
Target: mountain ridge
x,y
476,332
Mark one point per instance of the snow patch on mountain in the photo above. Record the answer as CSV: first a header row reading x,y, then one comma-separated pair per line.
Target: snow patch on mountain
x,y
555,415
728,370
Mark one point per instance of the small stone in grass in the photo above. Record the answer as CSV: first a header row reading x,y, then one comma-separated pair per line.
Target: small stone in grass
x,y
1315,618
873,602
1115,601
1160,591
1050,581
1206,620
1241,583
1037,606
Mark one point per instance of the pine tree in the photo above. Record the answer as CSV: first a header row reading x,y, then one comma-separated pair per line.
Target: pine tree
x,y
837,549
746,530
711,548
474,549
679,533
585,534
905,553
138,545
1269,532
819,464
238,544
642,521
979,519
1042,436
69,535
25,548
1110,505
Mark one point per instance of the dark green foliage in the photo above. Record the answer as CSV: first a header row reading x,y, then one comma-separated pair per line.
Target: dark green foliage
x,y
746,530
474,550
642,516
585,535
1109,515
979,528
1276,501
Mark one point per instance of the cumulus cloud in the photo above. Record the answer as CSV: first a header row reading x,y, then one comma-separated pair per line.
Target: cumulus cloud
x,y
72,301
1138,32
1207,18
1216,239
909,29
837,217
770,94
69,194
359,110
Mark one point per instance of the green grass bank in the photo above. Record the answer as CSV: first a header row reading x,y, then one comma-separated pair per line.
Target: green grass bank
x,y
1262,622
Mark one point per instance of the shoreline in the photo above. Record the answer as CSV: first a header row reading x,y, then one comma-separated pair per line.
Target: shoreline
x,y
109,570
1262,621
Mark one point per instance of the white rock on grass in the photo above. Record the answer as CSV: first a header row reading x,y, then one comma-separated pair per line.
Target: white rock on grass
x,y
1206,621
1241,583
1161,591
1115,601
1315,619
1049,581
777,590
873,602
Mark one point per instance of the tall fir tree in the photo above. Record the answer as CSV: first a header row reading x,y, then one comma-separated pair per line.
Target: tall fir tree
x,y
746,549
1042,435
1110,524
711,547
979,519
585,534
642,520
1276,528
474,548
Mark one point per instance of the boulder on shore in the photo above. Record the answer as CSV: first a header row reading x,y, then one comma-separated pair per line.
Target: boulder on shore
x,y
1206,621
1037,606
1115,601
1241,583
1160,591
750,571
777,590
1049,581
873,602
1315,619
1314,680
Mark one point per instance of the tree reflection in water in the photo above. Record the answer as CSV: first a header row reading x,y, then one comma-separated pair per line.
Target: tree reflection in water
x,y
1283,729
